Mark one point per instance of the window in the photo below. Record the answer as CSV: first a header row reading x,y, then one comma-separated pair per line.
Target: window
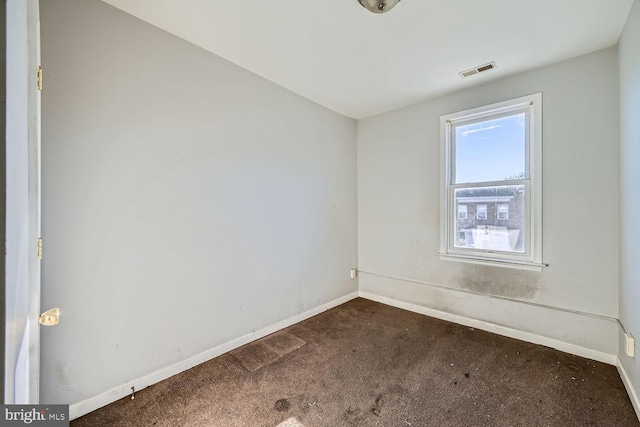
x,y
492,161
503,212
462,211
481,212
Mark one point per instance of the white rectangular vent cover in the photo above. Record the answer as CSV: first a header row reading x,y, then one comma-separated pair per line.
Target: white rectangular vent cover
x,y
478,69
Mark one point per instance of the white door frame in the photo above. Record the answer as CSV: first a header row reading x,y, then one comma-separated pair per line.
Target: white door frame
x,y
22,274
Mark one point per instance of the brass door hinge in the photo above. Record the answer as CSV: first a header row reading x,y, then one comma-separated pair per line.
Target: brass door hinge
x,y
39,77
40,248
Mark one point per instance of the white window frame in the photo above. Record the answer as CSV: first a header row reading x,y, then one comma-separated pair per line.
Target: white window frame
x,y
531,259
466,212
498,212
484,209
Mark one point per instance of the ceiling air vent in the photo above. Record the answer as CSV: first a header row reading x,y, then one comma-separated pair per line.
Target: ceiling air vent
x,y
478,69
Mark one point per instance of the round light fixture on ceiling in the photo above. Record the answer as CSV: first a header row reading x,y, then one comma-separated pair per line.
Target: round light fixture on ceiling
x,y
379,6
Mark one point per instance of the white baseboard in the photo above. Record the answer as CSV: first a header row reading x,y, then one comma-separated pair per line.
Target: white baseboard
x,y
631,391
79,409
497,329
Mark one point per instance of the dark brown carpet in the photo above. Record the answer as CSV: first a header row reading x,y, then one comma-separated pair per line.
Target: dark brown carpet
x,y
368,364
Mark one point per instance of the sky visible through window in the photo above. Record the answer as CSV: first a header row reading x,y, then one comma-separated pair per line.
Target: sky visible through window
x,y
491,150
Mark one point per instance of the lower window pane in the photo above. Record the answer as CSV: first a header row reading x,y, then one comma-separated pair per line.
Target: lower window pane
x,y
495,218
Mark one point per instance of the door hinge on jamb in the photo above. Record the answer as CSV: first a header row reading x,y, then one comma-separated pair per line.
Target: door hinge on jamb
x,y
40,248
40,77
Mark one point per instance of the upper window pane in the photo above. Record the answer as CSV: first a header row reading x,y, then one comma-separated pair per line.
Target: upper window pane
x,y
491,150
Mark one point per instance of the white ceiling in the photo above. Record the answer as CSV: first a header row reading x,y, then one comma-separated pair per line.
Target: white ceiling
x,y
357,63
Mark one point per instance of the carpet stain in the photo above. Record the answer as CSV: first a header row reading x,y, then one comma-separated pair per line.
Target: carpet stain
x,y
282,405
376,409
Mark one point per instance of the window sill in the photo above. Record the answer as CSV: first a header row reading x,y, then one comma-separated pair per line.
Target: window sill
x,y
505,263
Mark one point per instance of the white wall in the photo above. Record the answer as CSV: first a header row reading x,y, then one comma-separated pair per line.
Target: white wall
x,y
629,54
398,209
186,201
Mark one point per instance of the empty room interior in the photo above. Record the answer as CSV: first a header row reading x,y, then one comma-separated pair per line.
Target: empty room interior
x,y
411,213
